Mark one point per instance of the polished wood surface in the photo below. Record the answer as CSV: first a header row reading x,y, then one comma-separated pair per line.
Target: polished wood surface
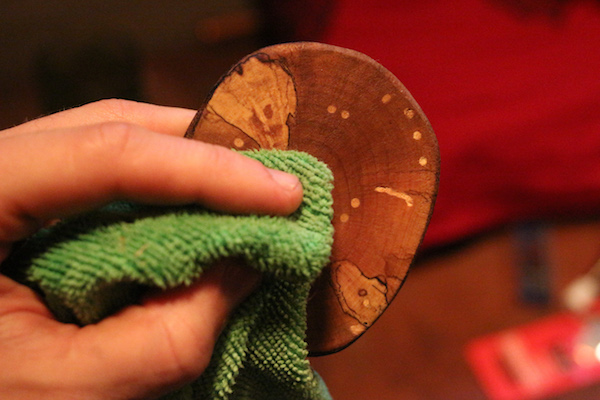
x,y
351,113
416,349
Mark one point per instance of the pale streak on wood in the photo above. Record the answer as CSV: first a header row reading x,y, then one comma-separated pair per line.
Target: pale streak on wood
x,y
361,297
357,329
258,102
401,195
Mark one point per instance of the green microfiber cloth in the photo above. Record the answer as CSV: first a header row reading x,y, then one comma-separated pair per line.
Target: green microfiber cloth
x,y
93,265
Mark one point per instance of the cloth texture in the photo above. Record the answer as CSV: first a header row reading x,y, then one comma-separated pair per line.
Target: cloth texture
x,y
92,266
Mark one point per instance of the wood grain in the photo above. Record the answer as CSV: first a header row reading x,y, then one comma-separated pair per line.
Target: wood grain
x,y
351,113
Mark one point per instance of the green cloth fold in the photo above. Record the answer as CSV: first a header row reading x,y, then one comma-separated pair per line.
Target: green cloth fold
x,y
91,266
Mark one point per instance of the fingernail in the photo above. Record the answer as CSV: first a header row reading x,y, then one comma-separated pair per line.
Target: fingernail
x,y
285,180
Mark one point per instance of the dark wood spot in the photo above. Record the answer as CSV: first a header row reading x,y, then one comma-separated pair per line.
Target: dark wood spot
x,y
268,110
263,58
239,69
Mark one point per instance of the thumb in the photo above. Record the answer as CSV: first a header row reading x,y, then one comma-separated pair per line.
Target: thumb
x,y
167,341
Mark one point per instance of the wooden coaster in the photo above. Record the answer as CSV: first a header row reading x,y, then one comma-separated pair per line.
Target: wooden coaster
x,y
351,113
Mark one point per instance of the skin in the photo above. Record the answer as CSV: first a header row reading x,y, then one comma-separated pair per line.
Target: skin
x,y
82,158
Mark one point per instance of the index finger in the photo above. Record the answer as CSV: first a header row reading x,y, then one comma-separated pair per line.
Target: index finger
x,y
68,171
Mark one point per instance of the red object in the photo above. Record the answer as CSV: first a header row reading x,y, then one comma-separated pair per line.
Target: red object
x,y
537,360
514,100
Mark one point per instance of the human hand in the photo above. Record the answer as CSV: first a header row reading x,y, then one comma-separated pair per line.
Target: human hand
x,y
80,159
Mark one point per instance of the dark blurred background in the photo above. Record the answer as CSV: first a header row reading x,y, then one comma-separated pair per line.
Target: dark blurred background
x,y
59,54
539,186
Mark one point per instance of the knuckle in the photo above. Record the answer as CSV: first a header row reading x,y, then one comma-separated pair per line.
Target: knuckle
x,y
216,156
220,159
189,351
102,154
115,109
106,145
112,139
